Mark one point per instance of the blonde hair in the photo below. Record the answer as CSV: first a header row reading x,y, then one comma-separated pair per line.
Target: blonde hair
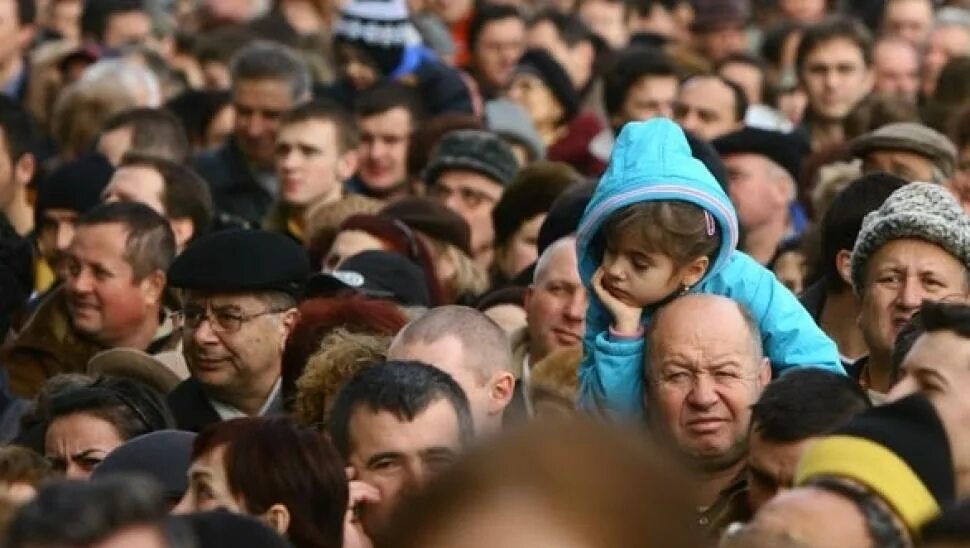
x,y
323,220
469,278
81,110
341,355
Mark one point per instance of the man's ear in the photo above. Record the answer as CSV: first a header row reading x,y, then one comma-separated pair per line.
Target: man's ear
x,y
764,375
153,287
278,518
501,392
24,169
287,322
843,263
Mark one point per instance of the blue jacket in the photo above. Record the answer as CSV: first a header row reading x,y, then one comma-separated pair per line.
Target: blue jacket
x,y
652,161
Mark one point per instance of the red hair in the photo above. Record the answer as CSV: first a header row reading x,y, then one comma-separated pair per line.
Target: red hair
x,y
321,315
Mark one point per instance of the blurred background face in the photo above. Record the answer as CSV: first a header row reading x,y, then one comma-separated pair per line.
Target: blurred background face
x,y
537,99
607,20
383,149
911,20
520,251
499,47
836,78
259,105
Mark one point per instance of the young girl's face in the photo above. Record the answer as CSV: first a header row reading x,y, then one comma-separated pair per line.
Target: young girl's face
x,y
637,277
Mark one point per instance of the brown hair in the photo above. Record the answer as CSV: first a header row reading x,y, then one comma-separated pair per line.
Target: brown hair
x,y
277,461
22,465
675,228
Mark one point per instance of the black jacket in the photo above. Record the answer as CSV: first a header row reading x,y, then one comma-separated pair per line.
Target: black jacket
x,y
190,406
235,191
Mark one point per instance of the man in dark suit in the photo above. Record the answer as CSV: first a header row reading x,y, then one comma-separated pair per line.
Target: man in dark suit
x,y
241,290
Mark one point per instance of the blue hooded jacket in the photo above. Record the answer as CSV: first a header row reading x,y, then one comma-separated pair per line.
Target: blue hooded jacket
x,y
652,161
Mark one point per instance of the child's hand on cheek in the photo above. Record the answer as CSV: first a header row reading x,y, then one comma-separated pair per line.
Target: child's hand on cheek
x,y
626,317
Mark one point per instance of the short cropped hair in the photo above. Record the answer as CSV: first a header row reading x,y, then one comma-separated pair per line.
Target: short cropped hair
x,y
805,403
94,18
402,388
627,68
153,131
569,27
326,110
150,243
185,194
843,220
834,28
484,344
489,13
264,60
737,92
386,96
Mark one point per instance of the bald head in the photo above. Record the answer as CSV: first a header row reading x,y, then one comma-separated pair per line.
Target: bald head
x,y
701,315
562,251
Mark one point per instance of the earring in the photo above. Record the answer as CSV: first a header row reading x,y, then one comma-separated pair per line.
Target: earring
x,y
685,289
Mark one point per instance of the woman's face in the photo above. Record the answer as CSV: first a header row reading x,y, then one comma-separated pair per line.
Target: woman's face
x,y
76,443
347,244
537,99
208,486
521,251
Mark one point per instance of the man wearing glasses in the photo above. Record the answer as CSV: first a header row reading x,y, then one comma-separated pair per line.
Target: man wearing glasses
x,y
240,291
468,172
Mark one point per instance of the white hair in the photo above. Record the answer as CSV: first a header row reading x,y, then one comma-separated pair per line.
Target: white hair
x,y
140,82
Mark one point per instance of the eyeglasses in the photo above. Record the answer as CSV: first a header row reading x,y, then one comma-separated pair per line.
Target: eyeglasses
x,y
221,320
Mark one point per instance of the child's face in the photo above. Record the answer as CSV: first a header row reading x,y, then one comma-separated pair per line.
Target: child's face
x,y
638,277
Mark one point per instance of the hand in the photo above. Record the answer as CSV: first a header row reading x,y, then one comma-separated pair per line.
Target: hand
x,y
626,317
360,493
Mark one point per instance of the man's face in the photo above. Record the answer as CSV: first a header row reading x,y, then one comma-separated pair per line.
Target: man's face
x,y
607,20
899,277
706,108
130,27
10,47
908,165
649,97
448,355
497,51
718,44
398,456
232,361
758,197
937,364
749,77
115,143
911,20
555,304
309,163
55,233
835,78
544,36
896,70
104,299
259,105
383,150
705,376
771,466
473,196
136,183
945,43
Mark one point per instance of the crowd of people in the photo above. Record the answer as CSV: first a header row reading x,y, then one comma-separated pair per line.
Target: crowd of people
x,y
468,273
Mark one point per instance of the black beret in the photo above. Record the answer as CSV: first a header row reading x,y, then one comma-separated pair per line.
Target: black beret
x,y
785,149
241,260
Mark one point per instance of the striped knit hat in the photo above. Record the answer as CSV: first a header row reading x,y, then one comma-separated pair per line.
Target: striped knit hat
x,y
380,28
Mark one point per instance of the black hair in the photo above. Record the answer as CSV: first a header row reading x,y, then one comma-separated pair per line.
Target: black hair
x,y
740,97
26,11
404,388
153,131
486,14
330,111
94,18
19,132
773,44
196,109
386,96
569,27
952,526
82,513
805,403
834,28
843,220
185,194
150,243
16,273
133,408
627,68
644,8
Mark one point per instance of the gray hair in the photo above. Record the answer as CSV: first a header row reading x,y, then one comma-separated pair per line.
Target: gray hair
x,y
264,60
140,82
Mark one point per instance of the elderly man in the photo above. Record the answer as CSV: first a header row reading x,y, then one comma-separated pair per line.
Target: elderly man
x,y
267,80
555,306
470,347
912,151
112,297
763,166
915,247
241,290
895,64
707,370
396,425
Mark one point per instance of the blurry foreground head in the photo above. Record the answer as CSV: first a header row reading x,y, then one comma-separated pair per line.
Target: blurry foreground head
x,y
572,485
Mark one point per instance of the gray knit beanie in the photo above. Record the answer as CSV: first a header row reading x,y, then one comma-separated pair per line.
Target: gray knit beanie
x,y
924,211
479,151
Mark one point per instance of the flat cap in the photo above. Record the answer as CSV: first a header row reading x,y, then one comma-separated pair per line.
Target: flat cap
x,y
241,260
909,137
785,149
164,455
473,150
